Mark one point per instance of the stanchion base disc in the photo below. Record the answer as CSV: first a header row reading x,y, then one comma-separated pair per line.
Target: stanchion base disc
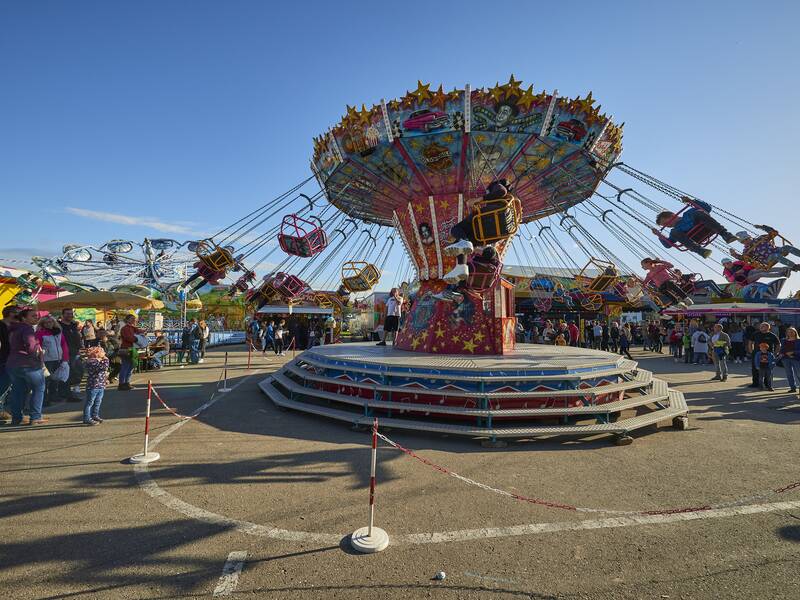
x,y
224,390
140,459
369,544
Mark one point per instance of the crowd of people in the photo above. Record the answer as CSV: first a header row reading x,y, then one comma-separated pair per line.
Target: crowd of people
x,y
44,360
691,342
283,333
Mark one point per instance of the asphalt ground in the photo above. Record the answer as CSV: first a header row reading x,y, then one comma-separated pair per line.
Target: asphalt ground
x,y
77,521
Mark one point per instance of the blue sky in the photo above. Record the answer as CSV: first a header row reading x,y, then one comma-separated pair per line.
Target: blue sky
x,y
126,119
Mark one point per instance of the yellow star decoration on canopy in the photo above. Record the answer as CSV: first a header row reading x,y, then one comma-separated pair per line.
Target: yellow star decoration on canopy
x,y
439,332
416,342
422,92
478,336
364,115
444,203
408,100
393,104
510,141
469,345
438,98
512,88
351,116
583,106
497,93
527,98
454,95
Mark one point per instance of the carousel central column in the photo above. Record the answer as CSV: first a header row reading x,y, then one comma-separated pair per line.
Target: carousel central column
x,y
445,317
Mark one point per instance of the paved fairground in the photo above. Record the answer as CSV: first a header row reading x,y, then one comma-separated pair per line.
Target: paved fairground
x,y
249,500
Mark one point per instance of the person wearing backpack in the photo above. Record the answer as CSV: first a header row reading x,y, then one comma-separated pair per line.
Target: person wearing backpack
x,y
700,346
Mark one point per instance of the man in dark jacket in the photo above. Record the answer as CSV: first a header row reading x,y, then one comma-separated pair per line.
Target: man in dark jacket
x,y
763,336
70,391
9,315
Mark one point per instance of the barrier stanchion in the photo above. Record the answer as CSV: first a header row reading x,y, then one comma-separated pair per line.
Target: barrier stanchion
x,y
225,387
146,456
371,539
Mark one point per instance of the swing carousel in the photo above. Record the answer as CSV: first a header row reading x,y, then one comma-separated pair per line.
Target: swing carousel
x,y
421,169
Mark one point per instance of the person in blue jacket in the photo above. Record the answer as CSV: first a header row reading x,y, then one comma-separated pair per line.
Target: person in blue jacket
x,y
682,224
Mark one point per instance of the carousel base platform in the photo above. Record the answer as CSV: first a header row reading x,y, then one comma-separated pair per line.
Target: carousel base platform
x,y
534,391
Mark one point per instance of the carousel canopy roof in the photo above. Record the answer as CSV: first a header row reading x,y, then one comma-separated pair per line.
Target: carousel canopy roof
x,y
432,143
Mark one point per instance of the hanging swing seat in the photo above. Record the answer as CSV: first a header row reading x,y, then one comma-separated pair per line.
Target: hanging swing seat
x,y
288,287
482,275
597,284
700,234
494,220
321,299
757,253
682,287
301,237
591,302
359,276
213,256
543,304
243,282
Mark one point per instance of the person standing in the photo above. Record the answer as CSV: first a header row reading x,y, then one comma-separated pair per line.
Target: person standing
x,y
790,356
737,344
604,337
720,347
394,309
205,334
700,346
89,334
69,329
613,335
763,336
278,335
54,352
186,344
269,337
25,368
597,332
9,316
96,377
574,334
128,335
625,339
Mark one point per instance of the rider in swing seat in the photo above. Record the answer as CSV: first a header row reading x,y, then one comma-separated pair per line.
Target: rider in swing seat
x,y
763,251
743,273
494,198
660,276
682,225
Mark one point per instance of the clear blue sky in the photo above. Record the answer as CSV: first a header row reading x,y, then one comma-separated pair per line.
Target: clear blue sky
x,y
187,114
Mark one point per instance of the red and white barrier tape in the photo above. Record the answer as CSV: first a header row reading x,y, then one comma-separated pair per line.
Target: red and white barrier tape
x,y
559,505
172,410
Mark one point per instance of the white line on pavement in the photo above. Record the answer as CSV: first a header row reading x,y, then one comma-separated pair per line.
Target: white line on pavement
x,y
230,573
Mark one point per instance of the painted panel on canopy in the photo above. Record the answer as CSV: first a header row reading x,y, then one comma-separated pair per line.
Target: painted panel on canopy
x,y
436,157
359,193
424,112
489,154
497,112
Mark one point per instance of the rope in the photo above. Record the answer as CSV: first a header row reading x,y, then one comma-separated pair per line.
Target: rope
x,y
569,507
